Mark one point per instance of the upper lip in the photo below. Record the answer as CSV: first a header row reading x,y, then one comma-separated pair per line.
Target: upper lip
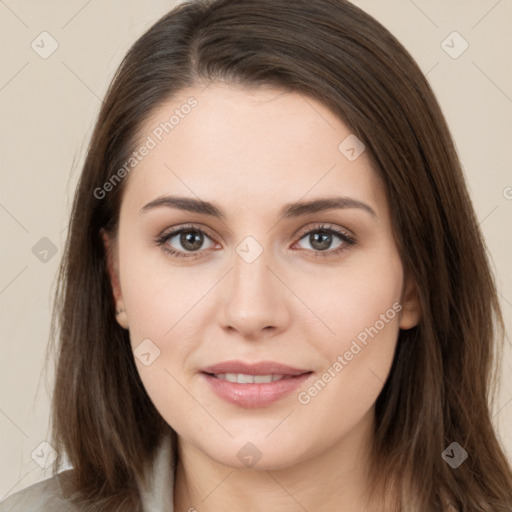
x,y
259,368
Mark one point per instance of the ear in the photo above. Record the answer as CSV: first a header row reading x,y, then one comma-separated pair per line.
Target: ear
x,y
112,261
411,305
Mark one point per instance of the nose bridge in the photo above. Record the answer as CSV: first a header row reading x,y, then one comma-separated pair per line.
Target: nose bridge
x,y
251,273
255,297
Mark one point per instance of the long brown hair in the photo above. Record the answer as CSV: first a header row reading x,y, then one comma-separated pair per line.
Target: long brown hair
x,y
442,382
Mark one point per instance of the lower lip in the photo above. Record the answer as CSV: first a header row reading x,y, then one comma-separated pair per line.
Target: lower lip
x,y
254,395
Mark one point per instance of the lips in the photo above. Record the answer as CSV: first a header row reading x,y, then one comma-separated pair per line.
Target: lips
x,y
248,385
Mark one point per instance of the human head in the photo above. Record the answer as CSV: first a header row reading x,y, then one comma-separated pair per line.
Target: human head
x,y
354,67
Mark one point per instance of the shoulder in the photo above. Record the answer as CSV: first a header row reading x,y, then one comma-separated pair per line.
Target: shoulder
x,y
45,496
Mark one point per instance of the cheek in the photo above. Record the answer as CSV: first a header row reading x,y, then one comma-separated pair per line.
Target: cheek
x,y
363,314
355,299
157,294
356,369
161,316
163,303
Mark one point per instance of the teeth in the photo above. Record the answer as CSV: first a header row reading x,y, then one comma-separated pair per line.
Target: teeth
x,y
242,378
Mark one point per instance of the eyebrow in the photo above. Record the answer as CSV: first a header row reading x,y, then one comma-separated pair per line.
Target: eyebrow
x,y
288,210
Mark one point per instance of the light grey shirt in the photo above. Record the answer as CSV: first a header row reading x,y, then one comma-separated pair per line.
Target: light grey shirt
x,y
156,497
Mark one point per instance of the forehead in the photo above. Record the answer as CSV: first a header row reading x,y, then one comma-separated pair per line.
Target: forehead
x,y
226,141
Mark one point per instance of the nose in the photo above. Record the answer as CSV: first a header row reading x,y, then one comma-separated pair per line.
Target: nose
x,y
255,298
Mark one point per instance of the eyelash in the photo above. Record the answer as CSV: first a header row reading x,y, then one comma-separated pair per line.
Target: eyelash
x,y
348,241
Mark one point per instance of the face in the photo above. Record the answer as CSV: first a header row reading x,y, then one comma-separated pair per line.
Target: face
x,y
320,290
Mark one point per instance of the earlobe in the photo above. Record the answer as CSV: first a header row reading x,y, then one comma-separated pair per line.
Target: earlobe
x,y
411,305
113,273
122,318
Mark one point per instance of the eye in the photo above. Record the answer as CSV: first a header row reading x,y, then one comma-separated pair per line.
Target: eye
x,y
320,240
186,239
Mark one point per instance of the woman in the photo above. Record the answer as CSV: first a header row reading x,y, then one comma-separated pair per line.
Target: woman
x,y
275,294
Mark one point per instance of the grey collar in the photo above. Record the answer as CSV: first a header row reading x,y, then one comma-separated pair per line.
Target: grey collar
x,y
158,495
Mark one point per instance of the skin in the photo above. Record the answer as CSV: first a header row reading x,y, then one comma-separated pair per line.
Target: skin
x,y
250,151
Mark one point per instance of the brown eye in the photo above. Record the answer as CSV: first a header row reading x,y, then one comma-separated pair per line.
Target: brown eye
x,y
320,240
327,241
185,241
191,240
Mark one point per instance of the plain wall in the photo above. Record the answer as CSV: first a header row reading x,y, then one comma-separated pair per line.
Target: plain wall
x,y
48,107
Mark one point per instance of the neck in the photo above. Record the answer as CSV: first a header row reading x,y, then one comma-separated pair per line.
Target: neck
x,y
334,480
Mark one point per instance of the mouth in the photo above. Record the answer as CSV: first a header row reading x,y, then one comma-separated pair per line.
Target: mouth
x,y
252,386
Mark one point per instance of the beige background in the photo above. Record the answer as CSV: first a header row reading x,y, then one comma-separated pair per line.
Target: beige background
x,y
48,107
